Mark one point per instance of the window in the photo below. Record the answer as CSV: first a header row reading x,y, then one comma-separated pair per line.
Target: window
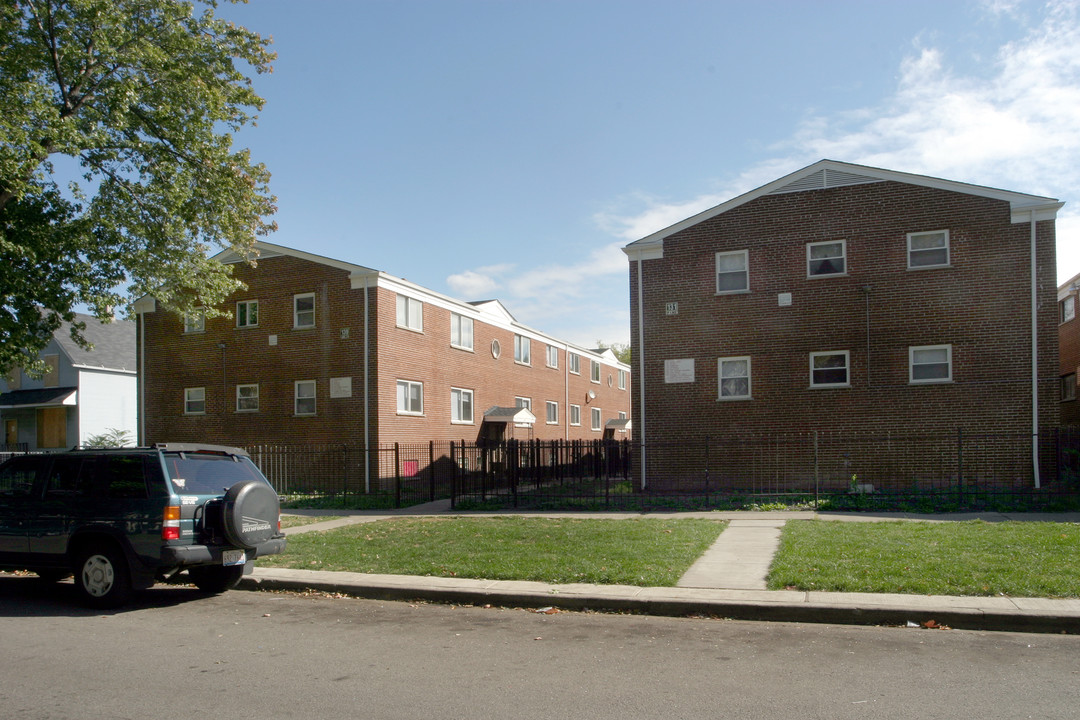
x,y
195,321
732,272
410,313
14,380
575,414
573,360
552,356
594,371
461,331
596,418
51,378
247,398
410,397
552,413
930,364
194,401
826,258
1068,308
461,406
522,352
247,313
622,379
304,310
734,373
523,402
829,369
304,397
928,249
1068,387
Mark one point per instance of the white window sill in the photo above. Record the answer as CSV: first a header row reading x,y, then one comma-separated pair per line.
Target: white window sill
x,y
826,277
741,398
930,267
419,331
732,292
840,386
462,348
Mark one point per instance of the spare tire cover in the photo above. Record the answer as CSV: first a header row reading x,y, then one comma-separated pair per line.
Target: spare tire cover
x,y
251,513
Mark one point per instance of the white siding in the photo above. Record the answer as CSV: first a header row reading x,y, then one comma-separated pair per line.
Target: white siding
x,y
106,401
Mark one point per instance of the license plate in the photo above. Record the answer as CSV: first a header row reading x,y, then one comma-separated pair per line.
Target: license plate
x,y
233,557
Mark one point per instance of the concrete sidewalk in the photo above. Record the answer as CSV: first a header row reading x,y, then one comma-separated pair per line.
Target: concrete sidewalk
x,y
727,581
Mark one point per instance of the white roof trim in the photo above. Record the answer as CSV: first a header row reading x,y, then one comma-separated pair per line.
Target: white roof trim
x,y
264,250
831,173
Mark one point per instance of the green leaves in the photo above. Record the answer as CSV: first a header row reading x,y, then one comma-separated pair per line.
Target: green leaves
x,y
143,96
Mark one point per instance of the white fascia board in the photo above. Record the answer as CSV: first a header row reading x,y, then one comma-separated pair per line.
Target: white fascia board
x,y
643,250
145,304
105,370
269,250
1068,287
1021,203
1041,211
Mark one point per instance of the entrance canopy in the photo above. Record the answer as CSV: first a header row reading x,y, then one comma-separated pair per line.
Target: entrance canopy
x,y
516,415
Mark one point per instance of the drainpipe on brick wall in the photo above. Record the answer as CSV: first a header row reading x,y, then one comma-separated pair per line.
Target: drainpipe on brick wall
x,y
141,384
641,367
1034,357
367,404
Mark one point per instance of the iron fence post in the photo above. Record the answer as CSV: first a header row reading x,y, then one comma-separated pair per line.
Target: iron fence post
x,y
431,470
817,473
397,476
960,464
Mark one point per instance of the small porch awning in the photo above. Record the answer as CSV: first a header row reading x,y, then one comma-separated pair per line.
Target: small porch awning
x,y
44,397
618,424
516,415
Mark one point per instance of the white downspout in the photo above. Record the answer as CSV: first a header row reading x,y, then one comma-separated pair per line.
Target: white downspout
x,y
141,384
367,404
1034,358
641,369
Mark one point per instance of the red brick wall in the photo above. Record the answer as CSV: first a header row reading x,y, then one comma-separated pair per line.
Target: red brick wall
x,y
979,305
176,360
1069,339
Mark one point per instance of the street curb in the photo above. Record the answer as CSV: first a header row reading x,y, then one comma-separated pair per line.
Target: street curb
x,y
805,612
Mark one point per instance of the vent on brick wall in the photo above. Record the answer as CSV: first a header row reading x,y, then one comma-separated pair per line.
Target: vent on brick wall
x,y
825,178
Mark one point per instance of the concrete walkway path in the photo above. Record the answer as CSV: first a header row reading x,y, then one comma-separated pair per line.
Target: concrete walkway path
x,y
740,557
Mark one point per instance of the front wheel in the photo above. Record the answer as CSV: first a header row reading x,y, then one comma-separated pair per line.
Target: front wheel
x,y
216,578
101,577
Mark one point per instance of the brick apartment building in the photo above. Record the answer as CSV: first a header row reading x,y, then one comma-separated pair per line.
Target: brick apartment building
x,y
317,350
1069,343
848,299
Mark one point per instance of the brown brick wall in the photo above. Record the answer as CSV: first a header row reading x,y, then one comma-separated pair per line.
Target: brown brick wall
x,y
979,305
1069,340
176,360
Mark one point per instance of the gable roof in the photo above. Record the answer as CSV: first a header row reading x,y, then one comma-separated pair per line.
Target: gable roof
x,y
114,344
270,250
831,173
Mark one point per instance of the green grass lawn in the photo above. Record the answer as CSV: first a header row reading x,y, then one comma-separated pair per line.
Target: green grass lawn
x,y
1022,559
641,552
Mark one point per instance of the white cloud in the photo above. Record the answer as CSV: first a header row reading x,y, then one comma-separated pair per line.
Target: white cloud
x,y
478,284
1014,127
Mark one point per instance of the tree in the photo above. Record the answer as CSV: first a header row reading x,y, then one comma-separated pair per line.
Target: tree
x,y
117,167
621,351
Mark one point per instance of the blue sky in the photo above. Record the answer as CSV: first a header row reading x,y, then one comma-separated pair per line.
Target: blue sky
x,y
509,149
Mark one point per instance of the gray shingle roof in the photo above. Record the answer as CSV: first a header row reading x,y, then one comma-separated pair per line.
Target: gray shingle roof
x,y
114,344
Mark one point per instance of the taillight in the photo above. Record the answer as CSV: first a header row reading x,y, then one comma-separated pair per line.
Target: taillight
x,y
170,528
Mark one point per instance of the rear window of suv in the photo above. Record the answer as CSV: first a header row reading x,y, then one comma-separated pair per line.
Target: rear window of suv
x,y
196,473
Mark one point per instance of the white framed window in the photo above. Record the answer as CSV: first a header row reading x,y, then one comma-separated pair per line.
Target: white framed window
x,y
410,313
523,402
1068,308
928,249
1068,387
304,397
304,310
575,415
552,356
247,313
195,321
522,350
247,398
594,371
461,406
552,413
830,369
622,379
734,374
597,418
195,401
573,361
930,364
410,397
461,331
826,258
732,272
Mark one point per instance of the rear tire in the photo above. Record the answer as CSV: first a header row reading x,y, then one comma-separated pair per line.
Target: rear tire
x,y
216,579
101,576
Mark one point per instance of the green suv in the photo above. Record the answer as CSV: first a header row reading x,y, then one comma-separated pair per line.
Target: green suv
x,y
122,519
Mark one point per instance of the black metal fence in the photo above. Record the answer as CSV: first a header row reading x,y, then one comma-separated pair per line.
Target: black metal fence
x,y
963,468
